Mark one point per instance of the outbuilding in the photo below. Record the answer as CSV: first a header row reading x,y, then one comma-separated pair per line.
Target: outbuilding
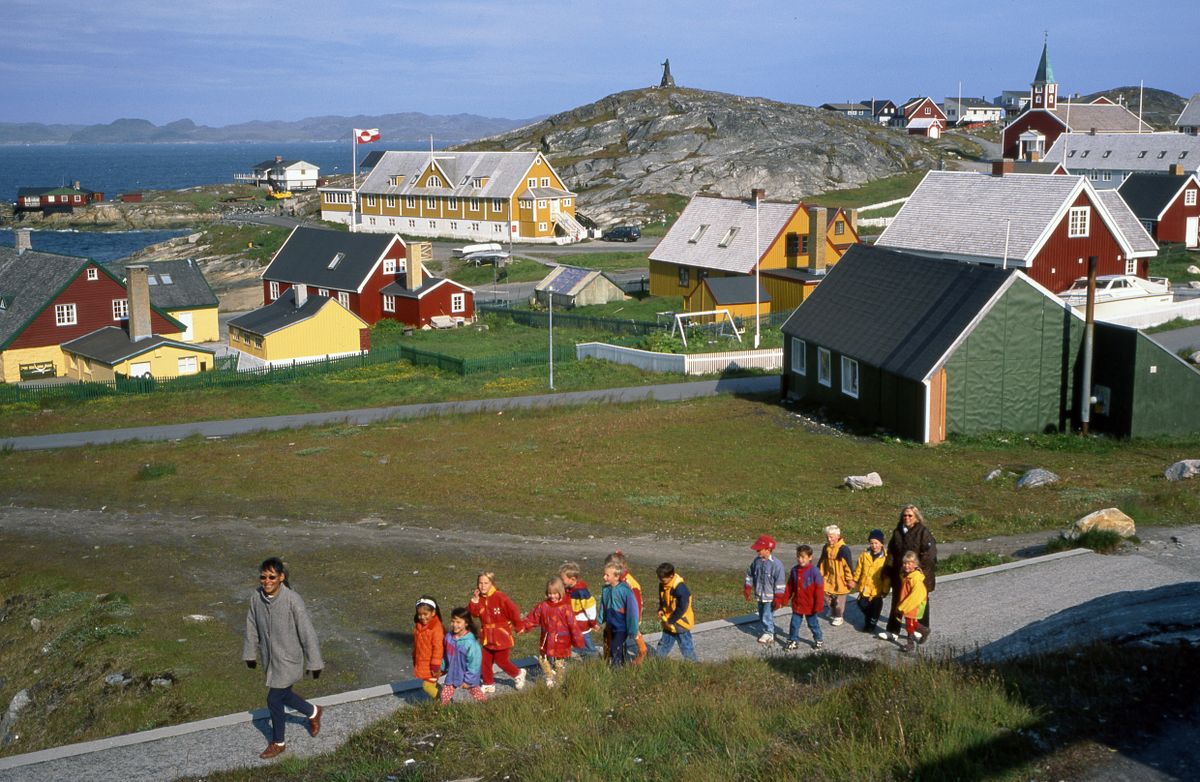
x,y
299,327
573,286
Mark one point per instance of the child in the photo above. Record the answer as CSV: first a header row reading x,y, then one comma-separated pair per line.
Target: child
x,y
463,657
582,602
618,612
499,617
765,580
806,591
278,630
628,578
675,612
559,630
912,600
837,571
872,580
428,643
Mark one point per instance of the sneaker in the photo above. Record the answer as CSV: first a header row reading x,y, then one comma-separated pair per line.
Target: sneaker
x,y
519,679
488,689
766,638
886,636
792,646
837,620
818,644
923,636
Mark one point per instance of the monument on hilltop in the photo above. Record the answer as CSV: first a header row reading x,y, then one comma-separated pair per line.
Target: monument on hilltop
x,y
667,79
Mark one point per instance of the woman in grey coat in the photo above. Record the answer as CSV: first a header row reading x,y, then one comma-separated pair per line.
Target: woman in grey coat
x,y
278,630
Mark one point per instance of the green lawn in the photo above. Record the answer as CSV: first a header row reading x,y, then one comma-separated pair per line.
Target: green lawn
x,y
607,261
259,242
519,270
1173,261
875,192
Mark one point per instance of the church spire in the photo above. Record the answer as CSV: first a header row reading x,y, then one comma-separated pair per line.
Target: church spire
x,y
1043,93
1045,74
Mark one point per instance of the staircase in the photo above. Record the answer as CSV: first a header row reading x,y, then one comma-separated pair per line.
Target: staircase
x,y
574,230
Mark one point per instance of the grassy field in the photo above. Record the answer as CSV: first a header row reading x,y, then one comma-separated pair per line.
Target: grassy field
x,y
519,270
615,261
875,192
259,242
821,717
645,308
1173,261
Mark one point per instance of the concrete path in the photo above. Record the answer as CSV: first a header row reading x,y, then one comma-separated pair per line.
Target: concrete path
x,y
753,386
1042,603
1178,339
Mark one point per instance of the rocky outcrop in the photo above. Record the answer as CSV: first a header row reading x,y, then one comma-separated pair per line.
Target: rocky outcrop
x,y
638,155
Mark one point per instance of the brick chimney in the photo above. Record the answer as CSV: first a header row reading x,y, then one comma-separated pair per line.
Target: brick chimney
x,y
413,274
24,237
1002,167
138,290
300,292
758,194
1176,169
852,218
817,226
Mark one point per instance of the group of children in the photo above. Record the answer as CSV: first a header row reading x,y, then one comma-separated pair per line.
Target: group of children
x,y
481,633
810,587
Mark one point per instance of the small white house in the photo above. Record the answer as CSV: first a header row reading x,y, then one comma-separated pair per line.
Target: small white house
x,y
963,111
281,174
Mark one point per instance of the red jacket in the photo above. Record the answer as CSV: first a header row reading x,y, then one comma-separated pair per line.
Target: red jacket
x,y
805,590
496,613
428,644
560,631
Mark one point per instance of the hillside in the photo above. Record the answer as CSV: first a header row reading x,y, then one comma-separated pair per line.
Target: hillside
x,y
1159,107
641,153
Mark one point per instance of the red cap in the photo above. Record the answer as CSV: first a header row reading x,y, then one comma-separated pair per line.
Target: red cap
x,y
764,542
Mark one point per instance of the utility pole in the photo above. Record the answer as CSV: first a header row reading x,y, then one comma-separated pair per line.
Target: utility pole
x,y
1089,329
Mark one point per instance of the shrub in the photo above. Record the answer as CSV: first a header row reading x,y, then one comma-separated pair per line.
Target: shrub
x,y
150,472
1100,541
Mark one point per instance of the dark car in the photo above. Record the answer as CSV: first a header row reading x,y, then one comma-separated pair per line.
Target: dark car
x,y
622,233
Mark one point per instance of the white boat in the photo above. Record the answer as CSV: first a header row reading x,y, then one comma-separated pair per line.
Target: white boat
x,y
471,249
1120,294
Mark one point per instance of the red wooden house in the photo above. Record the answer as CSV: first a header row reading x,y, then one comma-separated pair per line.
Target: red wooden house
x,y
55,199
921,117
367,274
1167,204
1046,226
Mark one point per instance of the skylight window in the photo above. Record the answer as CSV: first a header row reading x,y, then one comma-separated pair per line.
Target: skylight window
x,y
1141,154
1071,153
725,240
699,232
1107,152
165,279
336,260
1085,153
151,279
1162,154
1183,154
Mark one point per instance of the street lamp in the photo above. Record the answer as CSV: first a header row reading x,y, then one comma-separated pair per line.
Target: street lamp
x,y
758,194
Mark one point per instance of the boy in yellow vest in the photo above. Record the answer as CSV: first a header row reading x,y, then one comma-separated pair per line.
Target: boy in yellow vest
x,y
675,612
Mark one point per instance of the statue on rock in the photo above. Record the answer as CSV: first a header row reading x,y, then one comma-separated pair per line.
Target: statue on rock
x,y
667,79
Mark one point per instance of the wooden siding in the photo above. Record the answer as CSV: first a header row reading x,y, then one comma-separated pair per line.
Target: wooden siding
x,y
333,330
205,323
1042,121
1173,225
1062,259
419,312
163,361
11,361
786,294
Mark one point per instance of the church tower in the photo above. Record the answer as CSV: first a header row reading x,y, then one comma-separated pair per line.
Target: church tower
x,y
1043,93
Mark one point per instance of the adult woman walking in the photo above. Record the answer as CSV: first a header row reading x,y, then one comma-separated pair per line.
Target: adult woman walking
x,y
278,630
910,534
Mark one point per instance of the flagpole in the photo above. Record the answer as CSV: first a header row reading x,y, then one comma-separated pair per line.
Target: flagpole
x,y
353,178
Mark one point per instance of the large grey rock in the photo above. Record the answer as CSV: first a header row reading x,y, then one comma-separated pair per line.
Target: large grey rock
x,y
1181,470
1193,269
1106,520
1195,357
869,481
1194,284
1036,477
19,703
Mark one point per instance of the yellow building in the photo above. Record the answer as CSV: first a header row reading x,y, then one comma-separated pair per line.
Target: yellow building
x,y
180,289
734,294
472,196
299,327
108,352
790,243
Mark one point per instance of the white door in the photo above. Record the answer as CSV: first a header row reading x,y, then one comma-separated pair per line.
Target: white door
x,y
1192,236
140,369
186,319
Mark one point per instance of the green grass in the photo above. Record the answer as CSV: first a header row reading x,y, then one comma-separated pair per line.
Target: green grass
x,y
1173,261
1100,541
258,242
519,270
880,190
960,563
1171,325
607,261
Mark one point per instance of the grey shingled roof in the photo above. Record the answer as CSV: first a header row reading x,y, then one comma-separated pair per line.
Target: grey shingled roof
x,y
28,283
1126,151
1123,216
1149,194
735,290
306,255
505,172
895,311
721,214
400,286
972,103
178,284
1190,116
964,214
1104,117
279,314
111,345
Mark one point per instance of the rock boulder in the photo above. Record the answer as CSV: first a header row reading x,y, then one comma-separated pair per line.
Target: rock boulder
x,y
869,481
1188,468
1036,477
1106,520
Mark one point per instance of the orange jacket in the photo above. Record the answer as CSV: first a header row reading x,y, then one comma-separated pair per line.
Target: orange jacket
x,y
428,644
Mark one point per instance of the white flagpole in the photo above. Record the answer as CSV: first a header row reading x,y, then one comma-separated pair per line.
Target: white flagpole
x,y
354,178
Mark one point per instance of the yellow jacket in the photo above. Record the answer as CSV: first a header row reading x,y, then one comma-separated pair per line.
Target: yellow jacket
x,y
836,569
675,606
871,576
913,595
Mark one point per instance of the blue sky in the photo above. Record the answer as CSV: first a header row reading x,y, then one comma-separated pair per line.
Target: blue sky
x,y
225,61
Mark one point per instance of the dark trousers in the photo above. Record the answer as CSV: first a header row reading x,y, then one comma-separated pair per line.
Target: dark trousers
x,y
894,618
617,653
277,698
871,607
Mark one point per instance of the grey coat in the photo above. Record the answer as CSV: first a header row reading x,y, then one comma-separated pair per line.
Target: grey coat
x,y
280,631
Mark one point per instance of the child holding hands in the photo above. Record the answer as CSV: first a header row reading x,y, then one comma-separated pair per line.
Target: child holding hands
x,y
872,579
912,600
428,644
560,632
499,617
463,657
806,592
837,571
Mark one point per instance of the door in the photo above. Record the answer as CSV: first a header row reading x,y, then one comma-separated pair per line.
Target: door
x,y
1193,229
937,407
139,369
186,319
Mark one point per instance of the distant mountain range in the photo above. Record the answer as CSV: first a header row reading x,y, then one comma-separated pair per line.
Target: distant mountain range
x,y
408,126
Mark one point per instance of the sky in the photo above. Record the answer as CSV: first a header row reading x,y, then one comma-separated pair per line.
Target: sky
x,y
220,62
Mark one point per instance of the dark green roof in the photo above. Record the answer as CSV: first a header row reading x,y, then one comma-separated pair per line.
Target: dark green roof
x,y
1045,74
1149,194
111,345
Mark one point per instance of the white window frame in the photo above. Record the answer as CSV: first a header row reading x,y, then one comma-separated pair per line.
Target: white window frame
x,y
389,303
1078,222
825,367
370,200
389,202
497,204
474,204
344,299
410,202
799,357
120,309
273,290
65,315
186,365
433,181
545,181
452,203
458,302
542,226
431,202
1131,266
849,377
532,182
389,265
93,275
1189,197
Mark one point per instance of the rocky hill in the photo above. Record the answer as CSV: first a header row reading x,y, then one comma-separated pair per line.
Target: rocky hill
x,y
638,154
1159,107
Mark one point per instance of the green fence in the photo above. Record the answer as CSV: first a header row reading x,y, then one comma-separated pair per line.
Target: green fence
x,y
541,320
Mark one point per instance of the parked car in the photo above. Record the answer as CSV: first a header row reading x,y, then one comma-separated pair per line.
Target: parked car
x,y
486,258
622,233
471,249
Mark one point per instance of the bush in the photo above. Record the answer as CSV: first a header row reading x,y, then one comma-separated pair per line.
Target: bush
x,y
1100,541
150,472
661,342
960,563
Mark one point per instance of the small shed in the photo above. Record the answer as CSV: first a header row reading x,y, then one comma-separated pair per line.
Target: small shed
x,y
735,294
110,351
573,286
297,327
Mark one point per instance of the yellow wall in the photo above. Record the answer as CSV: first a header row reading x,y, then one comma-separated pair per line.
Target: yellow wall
x,y
786,294
334,329
205,327
163,360
701,300
11,360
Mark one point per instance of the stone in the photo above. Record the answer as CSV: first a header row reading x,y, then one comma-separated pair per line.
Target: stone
x,y
1195,357
868,481
1036,477
197,618
1182,470
1195,284
993,475
19,703
1193,269
161,681
1106,520
116,680
35,624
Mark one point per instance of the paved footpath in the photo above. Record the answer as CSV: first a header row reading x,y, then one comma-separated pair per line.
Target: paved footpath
x,y
666,392
1061,599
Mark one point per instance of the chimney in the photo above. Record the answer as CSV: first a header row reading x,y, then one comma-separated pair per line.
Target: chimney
x,y
1002,167
758,194
816,239
1177,169
138,286
279,158
24,237
413,272
1035,155
852,218
1092,132
300,291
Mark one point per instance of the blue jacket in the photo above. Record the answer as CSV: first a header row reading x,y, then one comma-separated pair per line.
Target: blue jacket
x,y
463,661
618,608
766,578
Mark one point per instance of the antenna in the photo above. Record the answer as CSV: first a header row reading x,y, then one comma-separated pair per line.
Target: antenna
x,y
1141,93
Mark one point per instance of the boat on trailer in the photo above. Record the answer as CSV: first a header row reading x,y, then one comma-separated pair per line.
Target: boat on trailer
x,y
1120,294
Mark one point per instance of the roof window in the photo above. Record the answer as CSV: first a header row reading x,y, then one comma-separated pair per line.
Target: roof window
x,y
151,279
1141,154
1071,153
165,279
336,260
1085,153
1107,152
1183,154
699,232
725,240
1162,154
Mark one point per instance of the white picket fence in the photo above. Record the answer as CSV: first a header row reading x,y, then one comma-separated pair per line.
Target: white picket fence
x,y
682,363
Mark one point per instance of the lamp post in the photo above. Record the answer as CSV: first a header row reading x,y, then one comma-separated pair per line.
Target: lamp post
x,y
758,194
550,297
